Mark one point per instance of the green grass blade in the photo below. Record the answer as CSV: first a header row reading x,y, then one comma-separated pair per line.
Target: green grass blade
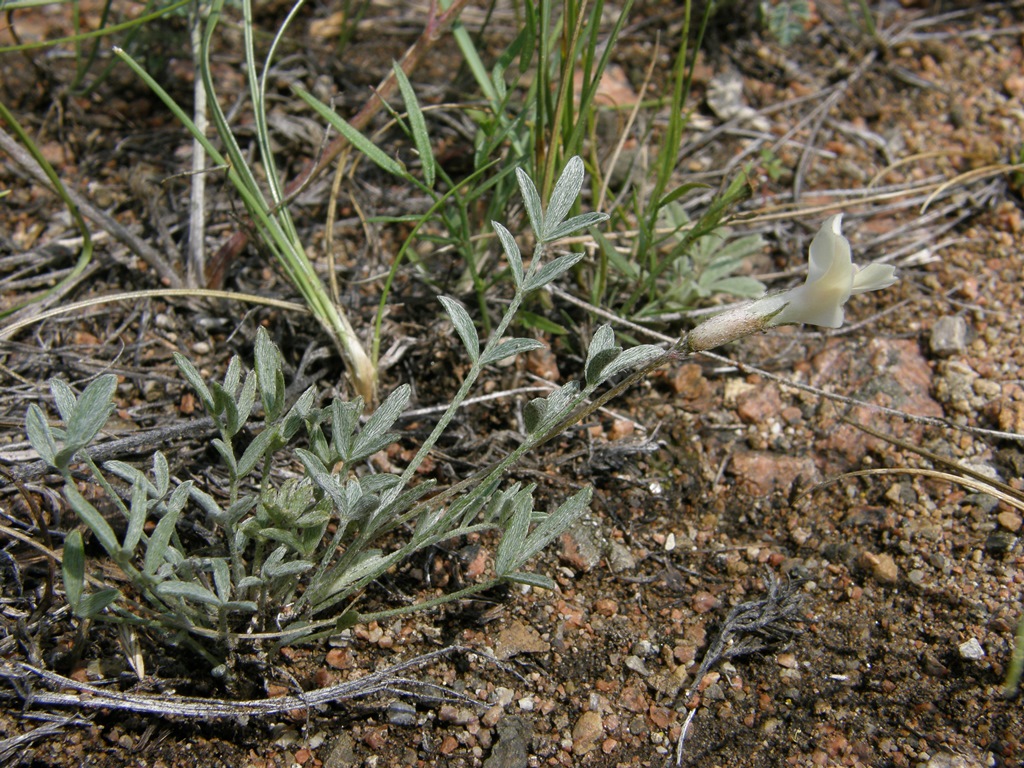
x,y
101,32
172,105
418,125
354,137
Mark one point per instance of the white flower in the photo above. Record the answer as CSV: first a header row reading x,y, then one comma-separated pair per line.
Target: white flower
x,y
832,278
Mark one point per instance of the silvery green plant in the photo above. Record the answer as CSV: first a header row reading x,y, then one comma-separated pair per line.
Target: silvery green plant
x,y
701,266
263,561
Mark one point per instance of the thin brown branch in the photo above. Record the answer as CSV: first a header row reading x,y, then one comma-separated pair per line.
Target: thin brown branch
x,y
138,246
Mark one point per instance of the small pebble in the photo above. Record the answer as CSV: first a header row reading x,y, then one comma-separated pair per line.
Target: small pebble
x,y
458,715
504,696
949,336
1014,85
1011,521
1000,542
401,713
492,716
971,650
787,660
586,733
882,567
949,760
605,606
702,602
620,559
164,322
645,649
636,664
449,745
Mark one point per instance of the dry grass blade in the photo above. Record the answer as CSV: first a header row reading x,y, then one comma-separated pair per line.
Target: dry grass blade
x,y
977,485
965,476
977,174
13,746
10,330
942,461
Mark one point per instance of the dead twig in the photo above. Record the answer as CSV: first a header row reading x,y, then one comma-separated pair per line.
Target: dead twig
x,y
749,628
138,246
86,696
13,746
133,443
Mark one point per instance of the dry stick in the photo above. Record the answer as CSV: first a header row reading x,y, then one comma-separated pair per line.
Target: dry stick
x,y
135,442
909,31
195,268
809,149
385,681
437,23
145,252
821,112
13,746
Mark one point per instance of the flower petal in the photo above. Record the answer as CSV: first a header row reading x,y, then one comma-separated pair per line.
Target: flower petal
x,y
831,279
819,301
806,305
873,277
830,251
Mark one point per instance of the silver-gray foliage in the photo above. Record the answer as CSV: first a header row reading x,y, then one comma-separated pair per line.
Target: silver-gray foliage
x,y
284,561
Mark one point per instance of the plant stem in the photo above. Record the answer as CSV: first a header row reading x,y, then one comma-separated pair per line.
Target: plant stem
x,y
473,589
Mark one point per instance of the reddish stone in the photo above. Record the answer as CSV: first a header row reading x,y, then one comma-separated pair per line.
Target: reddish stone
x,y
660,716
606,607
759,404
759,473
702,602
340,658
693,389
887,372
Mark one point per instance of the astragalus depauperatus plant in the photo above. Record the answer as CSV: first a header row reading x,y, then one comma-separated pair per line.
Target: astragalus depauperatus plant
x,y
281,562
